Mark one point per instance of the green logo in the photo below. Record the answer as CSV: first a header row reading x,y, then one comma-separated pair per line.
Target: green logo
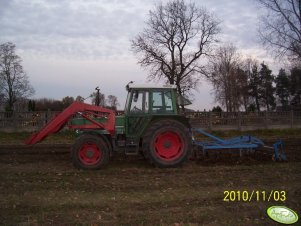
x,y
282,214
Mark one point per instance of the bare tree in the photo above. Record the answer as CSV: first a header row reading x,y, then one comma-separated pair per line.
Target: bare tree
x,y
228,78
177,36
253,90
66,101
112,101
79,99
98,99
13,80
280,28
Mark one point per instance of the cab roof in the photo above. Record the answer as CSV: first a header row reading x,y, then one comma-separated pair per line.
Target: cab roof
x,y
150,86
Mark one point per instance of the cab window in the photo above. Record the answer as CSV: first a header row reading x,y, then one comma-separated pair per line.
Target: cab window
x,y
162,102
168,101
139,102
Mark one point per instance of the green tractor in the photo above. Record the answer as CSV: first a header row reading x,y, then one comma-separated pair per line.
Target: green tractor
x,y
151,126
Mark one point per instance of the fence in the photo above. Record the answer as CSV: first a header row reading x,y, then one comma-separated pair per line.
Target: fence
x,y
245,120
24,121
32,121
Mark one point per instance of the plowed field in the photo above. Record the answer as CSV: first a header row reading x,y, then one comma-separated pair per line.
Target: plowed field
x,y
39,186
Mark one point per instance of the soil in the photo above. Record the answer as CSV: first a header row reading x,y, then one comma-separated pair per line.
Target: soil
x,y
40,186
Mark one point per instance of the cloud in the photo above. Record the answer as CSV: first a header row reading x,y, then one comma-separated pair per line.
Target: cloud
x,y
4,5
103,28
238,21
71,27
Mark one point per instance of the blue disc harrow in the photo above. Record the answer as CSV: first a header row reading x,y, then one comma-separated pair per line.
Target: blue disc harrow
x,y
242,143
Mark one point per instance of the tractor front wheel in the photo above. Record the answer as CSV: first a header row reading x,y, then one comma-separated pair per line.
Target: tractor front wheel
x,y
90,152
167,143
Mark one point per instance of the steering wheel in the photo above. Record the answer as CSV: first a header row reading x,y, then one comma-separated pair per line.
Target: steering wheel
x,y
136,109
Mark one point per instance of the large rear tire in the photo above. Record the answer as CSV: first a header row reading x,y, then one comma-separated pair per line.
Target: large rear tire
x,y
90,152
167,143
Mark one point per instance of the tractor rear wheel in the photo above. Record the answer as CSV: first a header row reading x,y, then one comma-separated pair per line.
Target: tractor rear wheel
x,y
167,143
90,152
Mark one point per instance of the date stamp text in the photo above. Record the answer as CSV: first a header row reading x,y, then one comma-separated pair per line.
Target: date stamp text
x,y
254,195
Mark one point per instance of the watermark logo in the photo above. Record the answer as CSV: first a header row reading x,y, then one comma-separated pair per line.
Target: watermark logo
x,y
282,214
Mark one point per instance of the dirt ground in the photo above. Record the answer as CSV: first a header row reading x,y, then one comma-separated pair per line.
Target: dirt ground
x,y
39,186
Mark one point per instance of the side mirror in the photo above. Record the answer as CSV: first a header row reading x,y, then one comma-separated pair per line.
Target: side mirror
x,y
127,87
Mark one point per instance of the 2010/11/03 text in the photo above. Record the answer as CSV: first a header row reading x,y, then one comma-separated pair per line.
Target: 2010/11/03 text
x,y
254,195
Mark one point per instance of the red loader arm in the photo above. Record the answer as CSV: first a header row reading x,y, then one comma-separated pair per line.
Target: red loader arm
x,y
85,110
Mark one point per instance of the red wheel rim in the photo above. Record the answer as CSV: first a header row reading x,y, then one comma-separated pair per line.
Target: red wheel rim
x,y
168,146
89,154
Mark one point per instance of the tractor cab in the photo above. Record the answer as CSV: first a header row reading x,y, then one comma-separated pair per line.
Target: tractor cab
x,y
149,103
151,100
146,103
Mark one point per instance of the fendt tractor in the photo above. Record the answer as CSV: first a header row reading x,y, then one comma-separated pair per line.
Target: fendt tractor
x,y
151,126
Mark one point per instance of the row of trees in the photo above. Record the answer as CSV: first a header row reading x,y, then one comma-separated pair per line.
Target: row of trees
x,y
44,104
248,85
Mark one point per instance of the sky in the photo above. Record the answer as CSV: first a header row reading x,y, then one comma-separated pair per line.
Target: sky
x,y
69,47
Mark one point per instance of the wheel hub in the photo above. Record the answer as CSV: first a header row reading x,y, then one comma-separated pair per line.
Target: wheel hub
x,y
89,154
168,145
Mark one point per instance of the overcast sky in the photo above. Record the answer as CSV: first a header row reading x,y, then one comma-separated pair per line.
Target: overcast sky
x,y
69,47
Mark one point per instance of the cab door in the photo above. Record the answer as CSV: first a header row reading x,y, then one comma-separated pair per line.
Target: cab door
x,y
137,113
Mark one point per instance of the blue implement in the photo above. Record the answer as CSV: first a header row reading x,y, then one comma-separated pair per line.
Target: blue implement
x,y
279,153
244,142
